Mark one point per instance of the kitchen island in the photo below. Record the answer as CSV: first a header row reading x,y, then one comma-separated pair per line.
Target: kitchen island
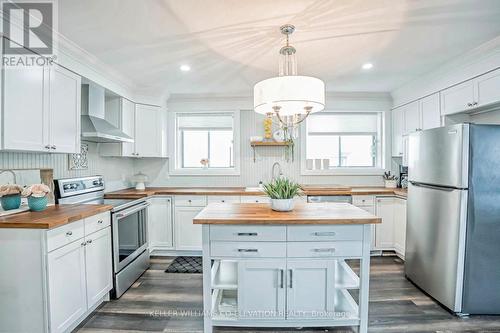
x,y
263,268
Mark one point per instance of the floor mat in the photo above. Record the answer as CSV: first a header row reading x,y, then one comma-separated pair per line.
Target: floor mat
x,y
186,265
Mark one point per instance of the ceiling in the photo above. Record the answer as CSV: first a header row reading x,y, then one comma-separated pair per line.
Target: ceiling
x,y
232,44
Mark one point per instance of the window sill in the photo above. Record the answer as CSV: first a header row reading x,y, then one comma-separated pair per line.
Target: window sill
x,y
205,172
344,172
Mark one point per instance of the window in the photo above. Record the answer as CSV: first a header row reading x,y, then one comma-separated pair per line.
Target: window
x,y
205,142
345,140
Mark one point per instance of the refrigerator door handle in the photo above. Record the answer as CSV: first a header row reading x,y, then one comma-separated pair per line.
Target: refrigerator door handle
x,y
434,187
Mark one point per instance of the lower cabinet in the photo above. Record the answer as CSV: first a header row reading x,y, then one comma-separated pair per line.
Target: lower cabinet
x,y
160,224
384,232
98,263
187,234
400,226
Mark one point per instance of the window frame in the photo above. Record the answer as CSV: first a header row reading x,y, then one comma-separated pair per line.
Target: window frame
x,y
176,159
378,169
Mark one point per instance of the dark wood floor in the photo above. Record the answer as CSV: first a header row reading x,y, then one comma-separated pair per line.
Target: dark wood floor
x,y
395,306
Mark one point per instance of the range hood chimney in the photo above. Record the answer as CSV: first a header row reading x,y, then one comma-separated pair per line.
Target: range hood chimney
x,y
95,128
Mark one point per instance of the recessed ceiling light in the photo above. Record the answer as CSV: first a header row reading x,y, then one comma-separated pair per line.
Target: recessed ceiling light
x,y
185,68
368,65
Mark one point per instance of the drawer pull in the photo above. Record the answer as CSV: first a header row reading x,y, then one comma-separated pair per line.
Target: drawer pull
x,y
324,250
69,233
89,241
331,233
100,221
189,200
282,278
248,250
291,278
247,234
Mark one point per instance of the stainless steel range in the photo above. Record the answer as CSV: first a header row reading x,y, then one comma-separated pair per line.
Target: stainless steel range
x,y
129,226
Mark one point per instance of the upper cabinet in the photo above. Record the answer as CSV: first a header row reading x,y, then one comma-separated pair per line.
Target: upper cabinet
x,y
478,93
397,131
430,112
144,123
41,110
412,117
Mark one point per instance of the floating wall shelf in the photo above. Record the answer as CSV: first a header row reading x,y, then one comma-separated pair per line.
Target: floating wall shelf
x,y
255,144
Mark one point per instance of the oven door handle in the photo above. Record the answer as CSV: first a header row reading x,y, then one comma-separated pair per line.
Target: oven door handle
x,y
131,211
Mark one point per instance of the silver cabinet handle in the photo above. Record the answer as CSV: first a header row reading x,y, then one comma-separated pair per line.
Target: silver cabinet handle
x,y
223,201
89,241
69,233
189,200
282,273
83,244
247,234
469,104
100,221
331,233
47,147
53,147
248,250
291,278
474,104
324,250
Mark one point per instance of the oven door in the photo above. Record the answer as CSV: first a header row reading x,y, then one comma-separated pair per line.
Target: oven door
x,y
129,235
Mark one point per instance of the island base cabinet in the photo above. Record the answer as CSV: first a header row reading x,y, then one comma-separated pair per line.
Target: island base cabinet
x,y
66,276
261,289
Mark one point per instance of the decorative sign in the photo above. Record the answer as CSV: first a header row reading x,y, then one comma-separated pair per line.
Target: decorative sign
x,y
79,161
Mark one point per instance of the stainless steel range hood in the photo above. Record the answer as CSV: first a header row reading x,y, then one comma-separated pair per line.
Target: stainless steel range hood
x,y
95,128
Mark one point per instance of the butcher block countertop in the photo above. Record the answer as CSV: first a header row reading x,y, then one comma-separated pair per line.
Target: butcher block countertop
x,y
52,217
132,193
311,213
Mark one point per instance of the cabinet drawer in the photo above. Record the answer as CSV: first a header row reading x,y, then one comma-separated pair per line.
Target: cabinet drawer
x,y
325,249
97,222
223,199
64,235
325,232
190,201
255,199
248,233
363,200
248,249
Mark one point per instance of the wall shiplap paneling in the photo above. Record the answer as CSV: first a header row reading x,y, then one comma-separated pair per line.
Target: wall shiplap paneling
x,y
116,171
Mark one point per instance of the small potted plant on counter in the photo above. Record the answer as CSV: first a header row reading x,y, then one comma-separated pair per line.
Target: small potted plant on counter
x,y
282,191
391,181
37,196
10,196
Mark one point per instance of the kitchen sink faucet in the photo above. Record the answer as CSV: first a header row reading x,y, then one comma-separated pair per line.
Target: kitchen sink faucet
x,y
280,172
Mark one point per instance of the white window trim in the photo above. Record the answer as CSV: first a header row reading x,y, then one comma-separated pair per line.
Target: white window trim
x,y
345,171
173,144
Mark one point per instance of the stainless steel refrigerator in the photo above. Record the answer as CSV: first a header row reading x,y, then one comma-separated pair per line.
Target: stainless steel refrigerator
x,y
453,230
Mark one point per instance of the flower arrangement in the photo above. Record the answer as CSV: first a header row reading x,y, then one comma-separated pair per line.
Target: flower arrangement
x,y
37,196
282,191
390,180
10,196
204,162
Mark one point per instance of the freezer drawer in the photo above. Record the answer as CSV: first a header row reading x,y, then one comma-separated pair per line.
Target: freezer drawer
x,y
435,242
439,156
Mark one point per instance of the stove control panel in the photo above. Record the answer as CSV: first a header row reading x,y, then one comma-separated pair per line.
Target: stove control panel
x,y
75,186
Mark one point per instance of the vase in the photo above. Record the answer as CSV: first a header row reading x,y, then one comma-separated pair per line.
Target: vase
x,y
12,201
37,204
392,183
282,205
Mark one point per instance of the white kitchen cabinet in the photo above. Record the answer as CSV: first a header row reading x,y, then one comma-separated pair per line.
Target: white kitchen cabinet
x,y
261,288
366,203
457,98
400,226
187,234
148,131
98,263
412,117
67,289
384,232
430,111
127,119
487,88
397,131
41,110
64,110
310,288
160,226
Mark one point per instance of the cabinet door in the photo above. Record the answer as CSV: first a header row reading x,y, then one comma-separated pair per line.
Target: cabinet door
x,y
412,117
187,234
160,230
384,232
128,126
261,288
25,120
64,110
98,264
457,98
310,288
400,226
431,112
397,132
488,88
67,295
148,122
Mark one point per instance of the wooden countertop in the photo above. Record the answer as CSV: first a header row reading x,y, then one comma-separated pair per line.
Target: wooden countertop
x,y
132,193
53,216
311,213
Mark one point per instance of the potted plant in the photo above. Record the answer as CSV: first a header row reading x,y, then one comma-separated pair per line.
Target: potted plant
x,y
282,191
390,180
10,196
37,196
